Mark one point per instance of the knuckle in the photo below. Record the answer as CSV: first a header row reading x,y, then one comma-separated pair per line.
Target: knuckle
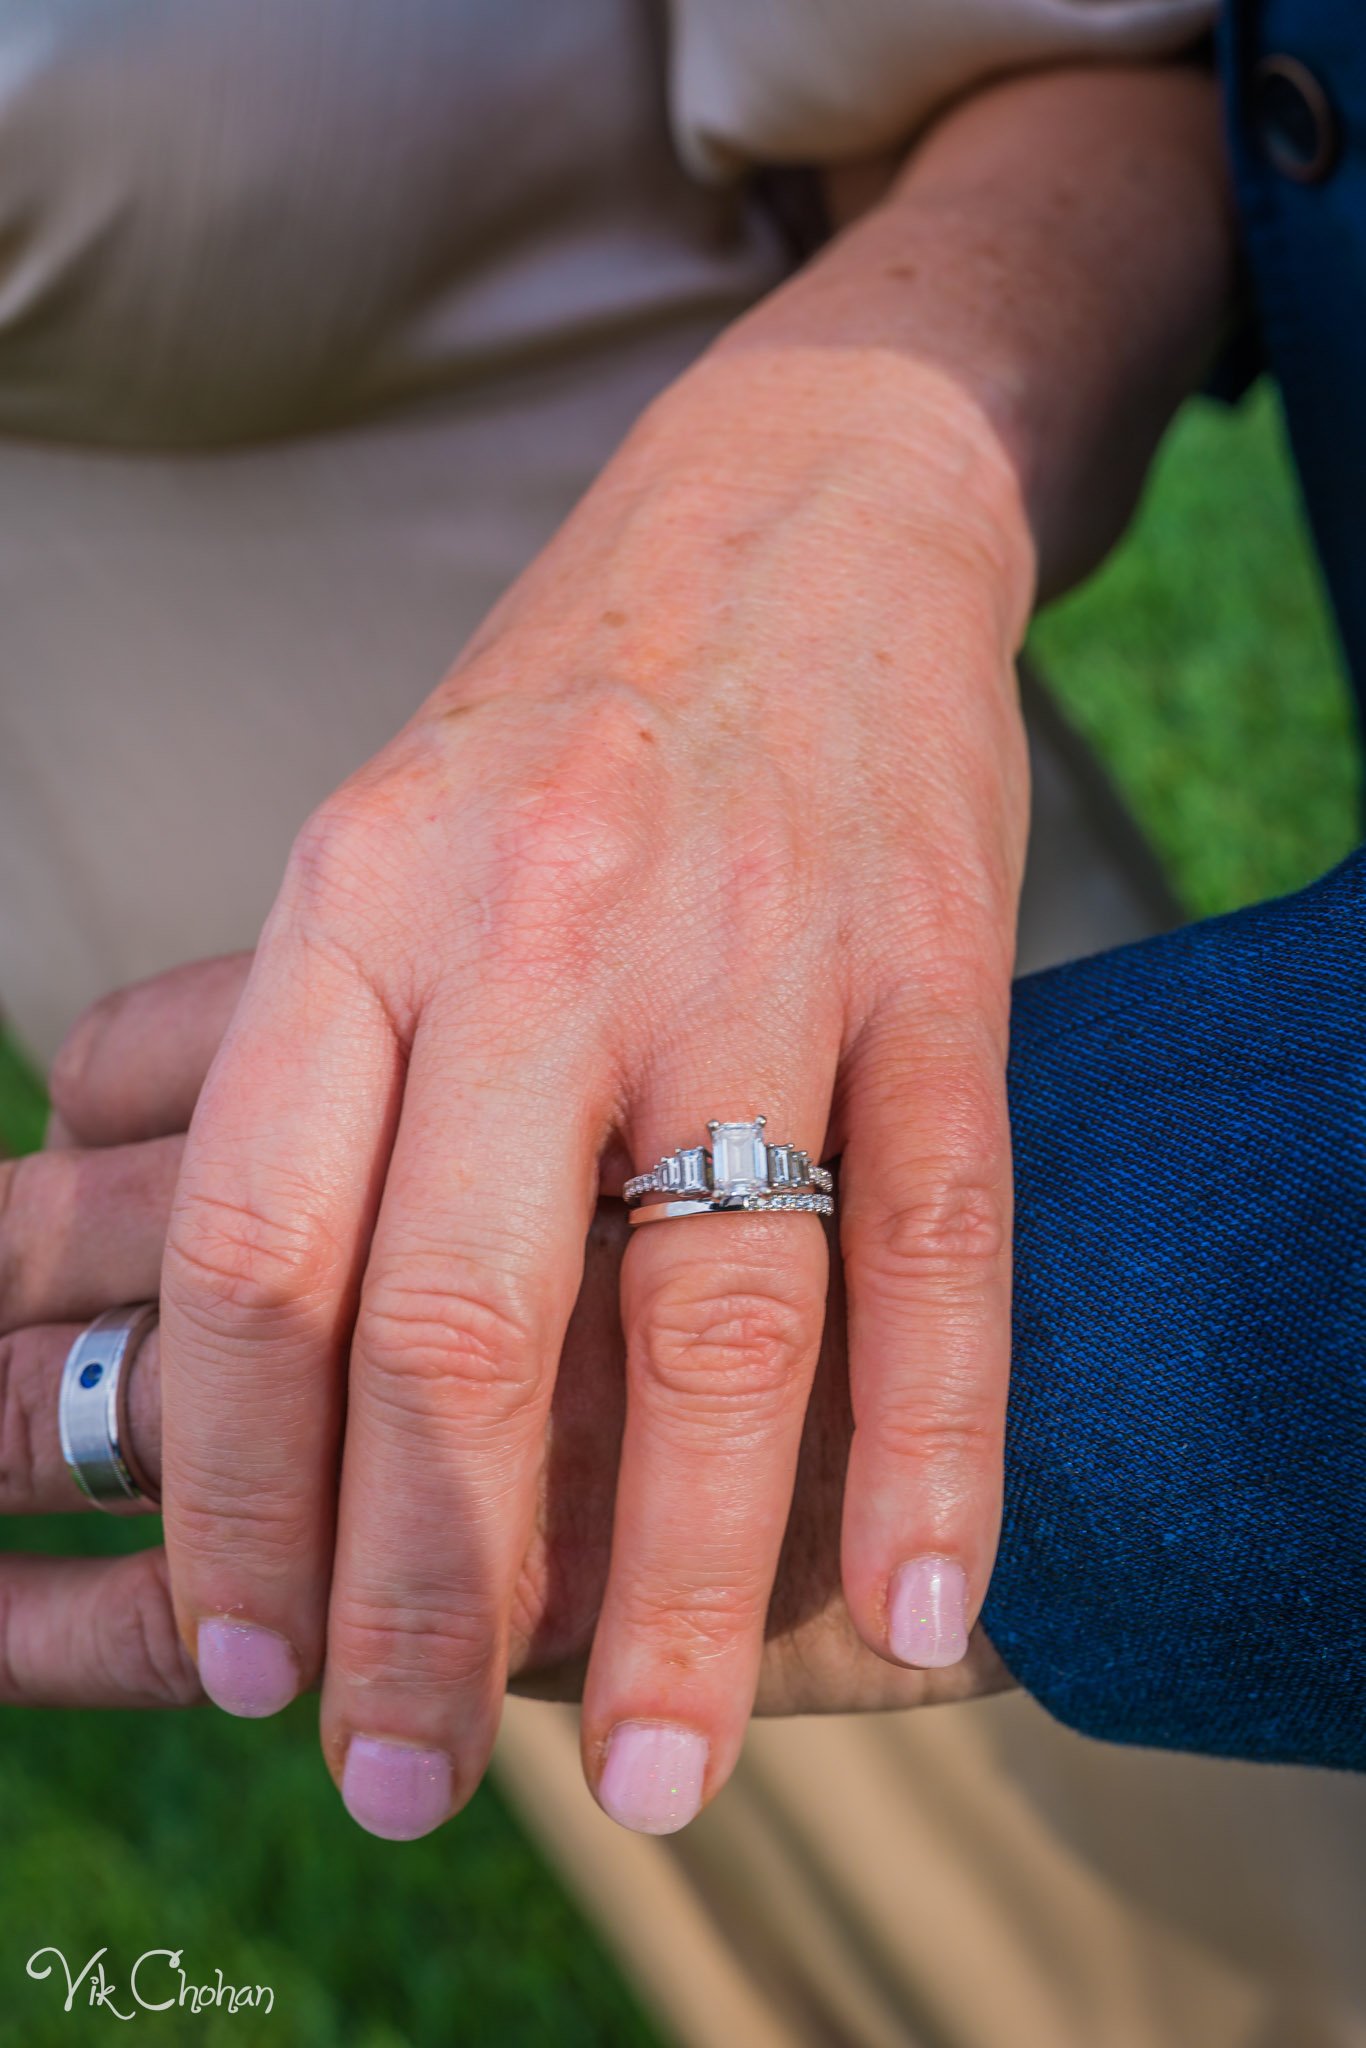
x,y
566,850
351,884
69,1074
937,1427
964,939
337,854
425,1340
410,1637
39,1201
242,1259
261,1525
559,872
140,1652
949,1225
573,847
691,1625
742,1353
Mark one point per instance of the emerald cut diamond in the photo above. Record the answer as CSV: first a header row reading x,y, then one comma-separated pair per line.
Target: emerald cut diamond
x,y
739,1158
787,1167
692,1171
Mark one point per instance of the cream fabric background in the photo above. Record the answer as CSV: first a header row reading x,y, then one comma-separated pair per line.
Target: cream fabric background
x,y
815,81
314,319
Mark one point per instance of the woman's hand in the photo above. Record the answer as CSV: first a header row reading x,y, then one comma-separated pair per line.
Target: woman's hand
x,y
101,1632
723,813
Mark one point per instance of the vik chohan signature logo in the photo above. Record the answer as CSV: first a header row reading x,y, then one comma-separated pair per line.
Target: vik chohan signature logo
x,y
156,1983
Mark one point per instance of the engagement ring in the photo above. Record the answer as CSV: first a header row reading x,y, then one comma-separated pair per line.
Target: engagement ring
x,y
737,1171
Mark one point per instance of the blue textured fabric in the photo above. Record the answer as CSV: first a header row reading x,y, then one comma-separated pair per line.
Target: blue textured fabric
x,y
1306,252
1183,1561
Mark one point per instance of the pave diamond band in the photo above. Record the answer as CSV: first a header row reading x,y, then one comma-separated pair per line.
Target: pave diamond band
x,y
703,1205
738,1170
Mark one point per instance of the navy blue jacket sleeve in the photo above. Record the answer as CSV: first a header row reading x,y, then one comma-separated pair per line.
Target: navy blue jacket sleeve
x,y
1183,1561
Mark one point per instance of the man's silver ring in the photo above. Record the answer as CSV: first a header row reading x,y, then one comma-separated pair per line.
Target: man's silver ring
x,y
738,1170
92,1411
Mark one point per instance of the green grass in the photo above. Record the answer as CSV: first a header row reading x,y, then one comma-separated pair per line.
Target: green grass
x,y
1201,664
23,1108
226,1839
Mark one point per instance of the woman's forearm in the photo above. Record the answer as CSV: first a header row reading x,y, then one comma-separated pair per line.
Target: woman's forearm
x,y
1057,258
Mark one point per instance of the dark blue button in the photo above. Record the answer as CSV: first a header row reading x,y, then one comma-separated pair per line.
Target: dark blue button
x,y
92,1374
1293,120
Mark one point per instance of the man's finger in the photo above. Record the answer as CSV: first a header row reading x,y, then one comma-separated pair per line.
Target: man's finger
x,y
34,1477
83,1231
91,1632
133,1065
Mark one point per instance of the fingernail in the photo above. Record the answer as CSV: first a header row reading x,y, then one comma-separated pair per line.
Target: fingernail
x,y
395,1790
246,1670
927,1613
652,1779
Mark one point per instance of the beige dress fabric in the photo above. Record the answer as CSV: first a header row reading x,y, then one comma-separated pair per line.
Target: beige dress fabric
x,y
314,319
817,81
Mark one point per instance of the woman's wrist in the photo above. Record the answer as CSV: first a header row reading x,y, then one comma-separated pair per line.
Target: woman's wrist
x,y
1076,218
787,528
898,448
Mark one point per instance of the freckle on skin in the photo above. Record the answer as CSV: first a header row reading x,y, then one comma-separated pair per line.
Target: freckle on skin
x,y
743,538
614,618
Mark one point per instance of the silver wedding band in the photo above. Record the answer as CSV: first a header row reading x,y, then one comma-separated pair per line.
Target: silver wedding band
x,y
738,1171
92,1410
809,1205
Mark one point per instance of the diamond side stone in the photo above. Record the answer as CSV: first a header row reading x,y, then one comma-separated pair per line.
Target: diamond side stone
x,y
692,1166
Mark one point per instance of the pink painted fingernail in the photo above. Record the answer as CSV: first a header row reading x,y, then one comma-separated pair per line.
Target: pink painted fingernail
x,y
245,1669
394,1789
927,1613
652,1779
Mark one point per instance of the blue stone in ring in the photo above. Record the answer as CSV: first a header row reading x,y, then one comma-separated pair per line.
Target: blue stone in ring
x,y
92,1374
